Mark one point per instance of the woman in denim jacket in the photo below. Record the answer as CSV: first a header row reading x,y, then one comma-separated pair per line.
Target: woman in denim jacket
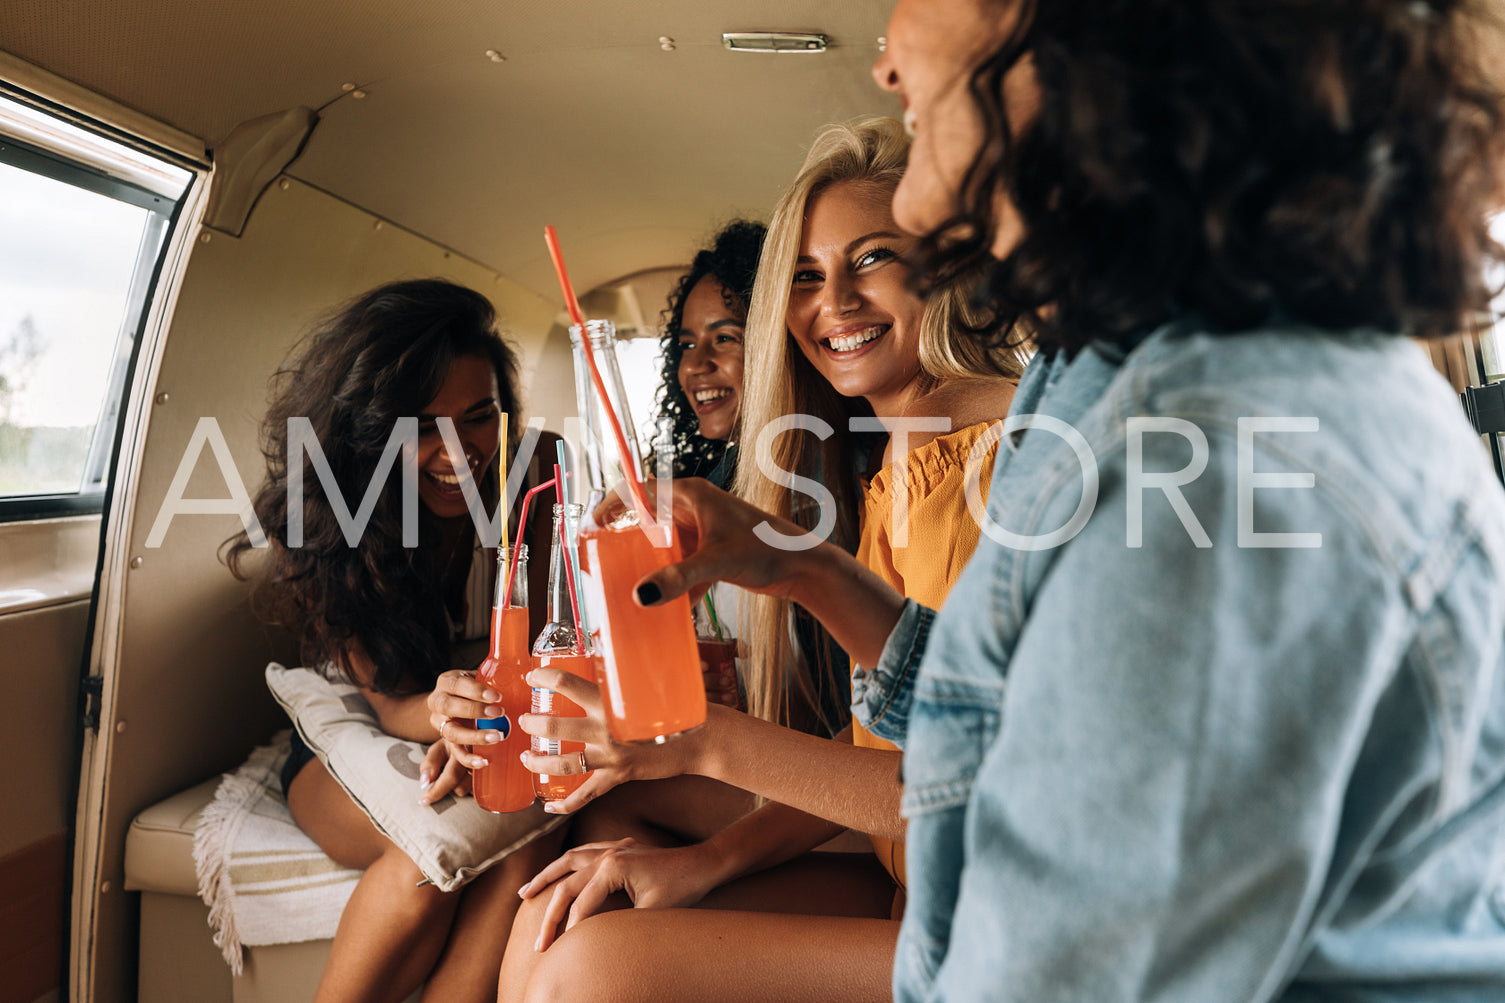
x,y
1217,710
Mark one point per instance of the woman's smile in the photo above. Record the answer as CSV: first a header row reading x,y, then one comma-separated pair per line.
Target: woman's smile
x,y
468,401
852,339
710,368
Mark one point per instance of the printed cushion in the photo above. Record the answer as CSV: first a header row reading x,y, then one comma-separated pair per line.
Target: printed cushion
x,y
451,840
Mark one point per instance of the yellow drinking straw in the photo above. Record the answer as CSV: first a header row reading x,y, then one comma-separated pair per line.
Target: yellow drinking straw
x,y
501,476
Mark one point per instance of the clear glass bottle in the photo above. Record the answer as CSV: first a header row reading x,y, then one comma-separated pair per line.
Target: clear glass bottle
x,y
602,459
649,667
563,644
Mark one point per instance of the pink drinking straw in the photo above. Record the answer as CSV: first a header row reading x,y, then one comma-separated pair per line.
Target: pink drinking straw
x,y
522,529
569,568
639,495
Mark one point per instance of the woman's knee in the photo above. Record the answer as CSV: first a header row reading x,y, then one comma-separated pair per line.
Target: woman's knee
x,y
572,969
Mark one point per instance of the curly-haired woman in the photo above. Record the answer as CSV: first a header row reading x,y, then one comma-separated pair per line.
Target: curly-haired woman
x,y
706,318
701,394
385,612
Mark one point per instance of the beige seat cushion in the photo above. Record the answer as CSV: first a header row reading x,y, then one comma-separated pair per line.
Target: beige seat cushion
x,y
159,843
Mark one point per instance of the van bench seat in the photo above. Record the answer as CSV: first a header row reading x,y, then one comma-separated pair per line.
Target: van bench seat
x,y
159,843
179,962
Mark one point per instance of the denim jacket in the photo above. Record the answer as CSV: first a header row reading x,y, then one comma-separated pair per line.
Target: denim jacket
x,y
1205,768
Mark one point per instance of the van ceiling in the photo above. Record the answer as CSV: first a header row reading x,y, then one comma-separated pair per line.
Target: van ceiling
x,y
585,121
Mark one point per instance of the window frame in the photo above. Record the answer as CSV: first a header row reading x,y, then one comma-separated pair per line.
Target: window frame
x,y
164,215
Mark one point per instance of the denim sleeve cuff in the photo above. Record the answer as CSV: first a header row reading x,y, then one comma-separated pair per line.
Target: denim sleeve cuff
x,y
881,696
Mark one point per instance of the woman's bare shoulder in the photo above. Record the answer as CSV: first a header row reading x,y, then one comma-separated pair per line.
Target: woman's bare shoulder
x,y
963,402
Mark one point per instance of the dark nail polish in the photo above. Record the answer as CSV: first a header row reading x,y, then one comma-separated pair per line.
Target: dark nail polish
x,y
648,594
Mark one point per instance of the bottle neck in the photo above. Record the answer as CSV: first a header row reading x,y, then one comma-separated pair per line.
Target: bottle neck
x,y
509,623
559,582
604,463
561,631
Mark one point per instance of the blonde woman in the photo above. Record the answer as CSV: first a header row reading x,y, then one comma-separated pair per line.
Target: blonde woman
x,y
844,339
841,333
849,343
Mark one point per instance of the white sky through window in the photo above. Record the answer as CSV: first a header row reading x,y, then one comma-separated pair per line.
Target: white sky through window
x,y
65,263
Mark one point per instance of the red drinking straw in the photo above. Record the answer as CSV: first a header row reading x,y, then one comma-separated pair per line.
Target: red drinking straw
x,y
522,529
569,567
639,495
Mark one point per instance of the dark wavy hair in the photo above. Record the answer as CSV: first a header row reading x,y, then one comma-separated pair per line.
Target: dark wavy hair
x,y
1244,160
381,357
732,260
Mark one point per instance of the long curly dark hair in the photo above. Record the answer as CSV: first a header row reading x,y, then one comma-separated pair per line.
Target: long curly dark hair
x,y
1243,160
381,357
732,260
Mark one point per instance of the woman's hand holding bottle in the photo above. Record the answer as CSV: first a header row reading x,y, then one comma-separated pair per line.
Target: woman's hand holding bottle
x,y
718,536
458,698
724,539
609,763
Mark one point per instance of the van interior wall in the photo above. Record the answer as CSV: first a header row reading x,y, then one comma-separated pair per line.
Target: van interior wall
x,y
43,650
190,697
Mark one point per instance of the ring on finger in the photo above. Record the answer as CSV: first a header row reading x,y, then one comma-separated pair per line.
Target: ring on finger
x,y
583,767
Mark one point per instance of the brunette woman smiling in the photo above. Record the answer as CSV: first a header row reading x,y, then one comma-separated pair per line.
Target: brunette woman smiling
x,y
703,352
388,614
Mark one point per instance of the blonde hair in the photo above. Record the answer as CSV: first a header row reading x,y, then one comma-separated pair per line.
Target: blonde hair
x,y
783,382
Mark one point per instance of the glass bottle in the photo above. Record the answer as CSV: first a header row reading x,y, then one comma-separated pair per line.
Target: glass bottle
x,y
563,646
601,458
648,664
504,783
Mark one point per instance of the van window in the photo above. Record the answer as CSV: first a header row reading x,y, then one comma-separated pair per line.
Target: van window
x,y
86,222
641,361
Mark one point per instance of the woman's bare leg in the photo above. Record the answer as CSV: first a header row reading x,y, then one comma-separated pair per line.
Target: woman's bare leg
x,y
472,958
669,812
392,930
662,955
818,888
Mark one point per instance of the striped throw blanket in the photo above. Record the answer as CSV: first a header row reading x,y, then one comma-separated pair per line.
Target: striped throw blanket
x,y
264,881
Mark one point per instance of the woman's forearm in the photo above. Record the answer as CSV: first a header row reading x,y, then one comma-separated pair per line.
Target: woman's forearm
x,y
400,716
403,717
730,541
854,788
854,604
765,838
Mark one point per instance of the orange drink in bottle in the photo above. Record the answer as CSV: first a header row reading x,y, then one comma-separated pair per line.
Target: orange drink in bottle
x,y
504,783
547,786
650,671
561,645
651,683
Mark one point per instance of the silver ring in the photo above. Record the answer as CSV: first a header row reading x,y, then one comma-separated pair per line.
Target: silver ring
x,y
583,767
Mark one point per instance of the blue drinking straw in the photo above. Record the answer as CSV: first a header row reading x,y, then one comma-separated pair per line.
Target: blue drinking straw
x,y
570,553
